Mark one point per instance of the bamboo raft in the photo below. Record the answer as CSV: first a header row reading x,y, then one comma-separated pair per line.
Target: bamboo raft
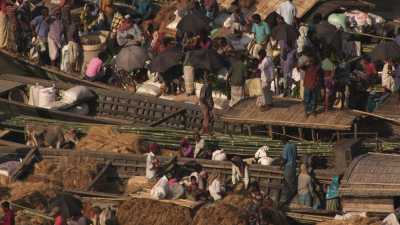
x,y
244,146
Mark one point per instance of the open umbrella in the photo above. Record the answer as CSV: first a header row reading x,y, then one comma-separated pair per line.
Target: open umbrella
x,y
165,60
329,34
285,32
68,204
131,57
207,59
326,31
386,51
193,23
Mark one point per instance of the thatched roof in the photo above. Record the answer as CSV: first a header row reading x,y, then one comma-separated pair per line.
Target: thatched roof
x,y
372,174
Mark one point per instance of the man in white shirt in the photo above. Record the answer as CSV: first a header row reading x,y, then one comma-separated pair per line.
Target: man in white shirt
x,y
288,11
261,156
266,68
200,144
151,161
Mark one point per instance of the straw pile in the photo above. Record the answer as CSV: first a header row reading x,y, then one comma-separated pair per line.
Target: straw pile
x,y
104,138
356,220
73,172
22,218
231,210
147,211
138,183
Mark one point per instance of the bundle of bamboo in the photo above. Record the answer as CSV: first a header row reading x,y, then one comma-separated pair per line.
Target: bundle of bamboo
x,y
169,138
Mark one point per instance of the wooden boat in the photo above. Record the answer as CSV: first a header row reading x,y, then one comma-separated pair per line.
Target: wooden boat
x,y
53,73
108,107
168,138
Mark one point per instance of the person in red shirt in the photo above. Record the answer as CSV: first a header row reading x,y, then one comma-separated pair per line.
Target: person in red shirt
x,y
311,81
9,216
369,70
58,219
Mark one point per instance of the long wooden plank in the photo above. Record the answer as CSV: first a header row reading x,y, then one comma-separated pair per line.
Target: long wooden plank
x,y
99,175
171,115
25,162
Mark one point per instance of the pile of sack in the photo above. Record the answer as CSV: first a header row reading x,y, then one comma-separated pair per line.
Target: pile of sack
x,y
47,97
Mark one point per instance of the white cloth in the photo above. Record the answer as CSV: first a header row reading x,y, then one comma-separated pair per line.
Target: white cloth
x,y
150,172
53,48
261,152
237,176
387,79
303,40
267,71
215,189
265,161
391,219
297,74
288,11
160,189
219,155
69,57
262,157
198,147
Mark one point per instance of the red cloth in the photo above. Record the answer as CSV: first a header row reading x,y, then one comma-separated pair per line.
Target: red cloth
x,y
369,69
58,221
311,77
9,218
3,6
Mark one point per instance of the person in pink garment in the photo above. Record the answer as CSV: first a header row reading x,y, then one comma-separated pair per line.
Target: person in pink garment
x,y
94,69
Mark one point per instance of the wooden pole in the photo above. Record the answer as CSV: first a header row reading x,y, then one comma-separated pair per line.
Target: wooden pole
x,y
270,132
355,131
300,129
313,134
162,120
284,130
25,162
98,176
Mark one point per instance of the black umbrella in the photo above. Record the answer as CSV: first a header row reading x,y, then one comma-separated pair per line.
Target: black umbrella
x,y
329,34
194,23
68,204
386,51
131,57
165,60
285,32
207,59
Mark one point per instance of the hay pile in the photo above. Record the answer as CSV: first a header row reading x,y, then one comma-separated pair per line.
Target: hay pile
x,y
104,138
22,218
356,220
138,183
230,210
73,172
147,211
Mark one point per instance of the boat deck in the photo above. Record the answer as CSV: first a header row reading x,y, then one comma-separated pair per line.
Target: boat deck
x,y
287,113
389,109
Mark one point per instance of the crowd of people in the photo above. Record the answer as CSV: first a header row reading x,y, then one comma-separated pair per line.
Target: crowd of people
x,y
193,182
316,61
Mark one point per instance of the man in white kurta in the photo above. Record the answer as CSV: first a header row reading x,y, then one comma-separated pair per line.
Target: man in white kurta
x,y
288,11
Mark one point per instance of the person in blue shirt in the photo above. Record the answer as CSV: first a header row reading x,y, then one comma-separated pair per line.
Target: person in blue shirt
x,y
289,156
144,8
261,32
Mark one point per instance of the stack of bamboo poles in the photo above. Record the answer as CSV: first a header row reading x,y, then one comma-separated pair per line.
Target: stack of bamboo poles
x,y
170,138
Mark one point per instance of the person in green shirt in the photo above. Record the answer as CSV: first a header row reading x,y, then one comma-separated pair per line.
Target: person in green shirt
x,y
261,32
